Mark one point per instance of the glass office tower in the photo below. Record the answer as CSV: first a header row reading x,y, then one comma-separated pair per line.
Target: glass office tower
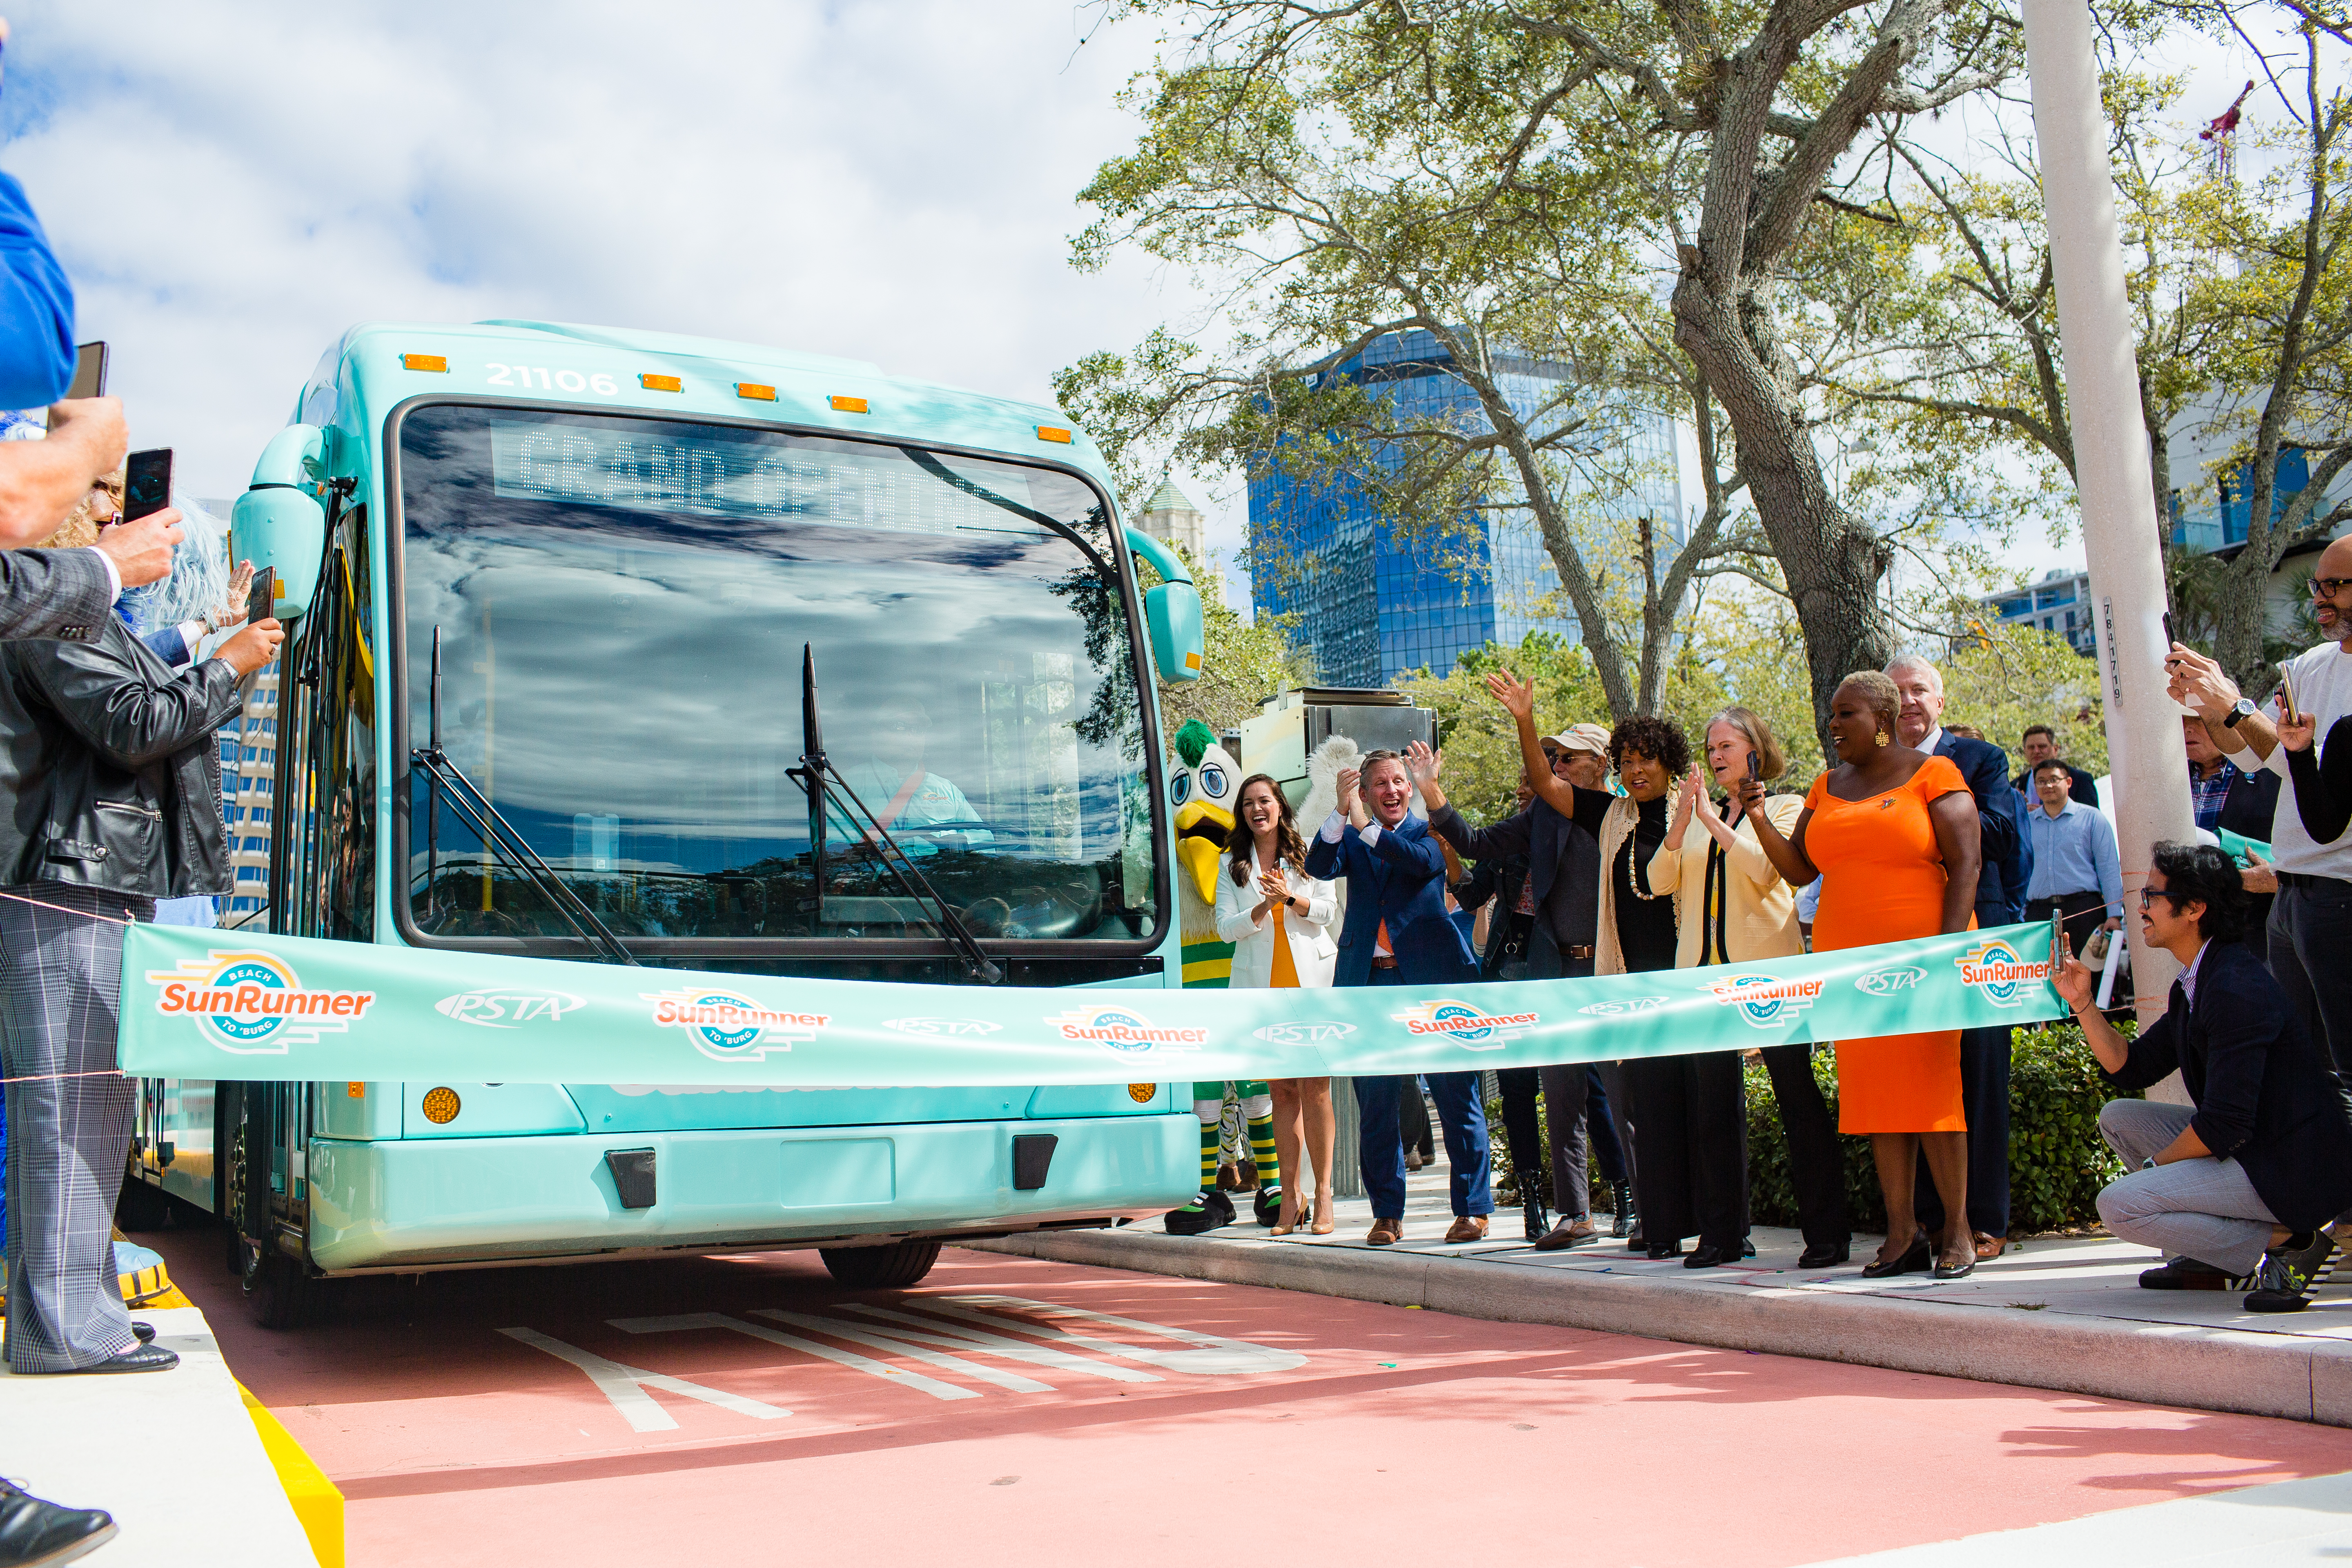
x,y
1375,600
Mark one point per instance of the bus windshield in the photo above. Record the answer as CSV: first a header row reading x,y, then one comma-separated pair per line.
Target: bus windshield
x,y
623,604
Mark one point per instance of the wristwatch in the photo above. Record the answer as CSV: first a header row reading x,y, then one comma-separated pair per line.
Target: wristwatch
x,y
2241,709
2148,1164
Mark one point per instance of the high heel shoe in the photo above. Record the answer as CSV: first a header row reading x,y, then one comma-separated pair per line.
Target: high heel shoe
x,y
1324,1223
1921,1254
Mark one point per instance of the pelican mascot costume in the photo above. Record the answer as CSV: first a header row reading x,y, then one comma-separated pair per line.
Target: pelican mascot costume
x,y
1204,795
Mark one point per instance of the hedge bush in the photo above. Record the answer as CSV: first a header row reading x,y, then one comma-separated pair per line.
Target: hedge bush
x,y
2057,1161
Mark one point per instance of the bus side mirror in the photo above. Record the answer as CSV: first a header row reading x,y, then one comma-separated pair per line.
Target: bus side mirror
x,y
279,524
1172,611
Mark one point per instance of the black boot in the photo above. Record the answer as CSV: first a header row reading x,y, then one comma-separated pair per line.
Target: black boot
x,y
1625,1222
1212,1210
1538,1222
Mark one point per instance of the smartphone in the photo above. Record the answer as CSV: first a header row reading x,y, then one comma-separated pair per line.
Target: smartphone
x,y
261,599
90,372
2286,698
1752,762
147,483
2168,639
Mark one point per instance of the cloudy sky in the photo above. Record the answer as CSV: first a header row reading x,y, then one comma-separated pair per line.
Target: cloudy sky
x,y
890,179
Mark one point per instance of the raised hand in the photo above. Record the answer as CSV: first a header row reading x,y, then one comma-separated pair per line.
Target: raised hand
x,y
1518,696
1275,886
240,589
1348,779
1425,763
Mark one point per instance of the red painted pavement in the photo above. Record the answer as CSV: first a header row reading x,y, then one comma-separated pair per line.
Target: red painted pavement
x,y
1402,1431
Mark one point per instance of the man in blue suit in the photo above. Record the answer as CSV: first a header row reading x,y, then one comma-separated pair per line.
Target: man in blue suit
x,y
2001,901
1397,934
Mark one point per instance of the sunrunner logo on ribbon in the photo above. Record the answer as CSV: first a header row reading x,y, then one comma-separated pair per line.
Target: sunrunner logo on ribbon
x,y
1998,970
728,1027
253,1004
1473,1028
1122,1031
1766,1001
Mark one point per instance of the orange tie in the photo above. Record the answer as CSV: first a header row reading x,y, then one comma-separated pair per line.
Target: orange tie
x,y
1380,940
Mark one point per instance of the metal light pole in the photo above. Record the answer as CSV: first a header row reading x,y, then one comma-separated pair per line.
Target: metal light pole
x,y
2111,462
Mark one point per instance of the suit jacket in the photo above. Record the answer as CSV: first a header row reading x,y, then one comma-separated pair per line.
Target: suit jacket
x,y
61,594
1553,846
2008,849
2263,1095
1399,878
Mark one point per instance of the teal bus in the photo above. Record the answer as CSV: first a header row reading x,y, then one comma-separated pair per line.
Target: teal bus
x,y
690,655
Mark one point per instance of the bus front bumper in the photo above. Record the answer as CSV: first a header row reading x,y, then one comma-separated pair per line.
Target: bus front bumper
x,y
442,1201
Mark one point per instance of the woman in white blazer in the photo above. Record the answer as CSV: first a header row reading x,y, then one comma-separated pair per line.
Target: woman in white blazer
x,y
1279,921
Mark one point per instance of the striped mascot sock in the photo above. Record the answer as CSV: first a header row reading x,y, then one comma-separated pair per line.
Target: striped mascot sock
x,y
1259,1108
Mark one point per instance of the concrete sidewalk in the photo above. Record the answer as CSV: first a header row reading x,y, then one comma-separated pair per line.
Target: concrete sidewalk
x,y
2061,1314
173,1456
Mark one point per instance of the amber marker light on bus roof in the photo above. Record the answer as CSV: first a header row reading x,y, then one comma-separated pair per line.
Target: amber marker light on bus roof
x,y
440,1105
652,383
1052,433
424,361
849,405
753,389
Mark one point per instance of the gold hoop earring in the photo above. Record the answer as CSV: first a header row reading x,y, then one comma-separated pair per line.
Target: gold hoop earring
x,y
1882,737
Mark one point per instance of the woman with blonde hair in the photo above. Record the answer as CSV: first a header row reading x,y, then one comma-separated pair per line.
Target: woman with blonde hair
x,y
1278,919
1893,833
1733,906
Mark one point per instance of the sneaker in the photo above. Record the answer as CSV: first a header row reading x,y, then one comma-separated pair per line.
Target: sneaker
x,y
2186,1274
1209,1210
2290,1272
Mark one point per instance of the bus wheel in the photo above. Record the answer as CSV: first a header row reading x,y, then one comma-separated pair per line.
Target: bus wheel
x,y
889,1267
283,1296
141,1205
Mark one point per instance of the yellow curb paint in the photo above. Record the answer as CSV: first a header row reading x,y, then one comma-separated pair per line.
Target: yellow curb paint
x,y
318,1504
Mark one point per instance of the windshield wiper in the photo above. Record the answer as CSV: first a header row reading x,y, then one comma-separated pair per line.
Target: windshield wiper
x,y
817,775
497,834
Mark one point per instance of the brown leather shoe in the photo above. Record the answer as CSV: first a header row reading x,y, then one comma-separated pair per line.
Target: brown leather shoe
x,y
1566,1232
1467,1227
1988,1246
1384,1233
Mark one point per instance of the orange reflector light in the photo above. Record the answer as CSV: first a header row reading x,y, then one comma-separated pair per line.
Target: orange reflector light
x,y
652,383
1051,433
356,1091
1142,1093
424,361
753,389
1191,661
849,405
440,1105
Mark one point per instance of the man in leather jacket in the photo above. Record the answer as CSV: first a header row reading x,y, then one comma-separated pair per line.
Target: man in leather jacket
x,y
110,778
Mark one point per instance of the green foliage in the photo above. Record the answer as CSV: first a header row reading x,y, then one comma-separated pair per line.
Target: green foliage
x,y
2057,1161
2023,675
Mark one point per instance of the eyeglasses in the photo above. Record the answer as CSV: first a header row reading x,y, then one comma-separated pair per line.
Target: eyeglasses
x,y
2148,897
2328,587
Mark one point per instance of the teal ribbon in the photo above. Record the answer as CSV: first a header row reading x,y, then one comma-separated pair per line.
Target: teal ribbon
x,y
201,1004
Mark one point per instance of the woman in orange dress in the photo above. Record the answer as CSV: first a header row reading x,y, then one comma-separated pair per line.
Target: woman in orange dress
x,y
1893,833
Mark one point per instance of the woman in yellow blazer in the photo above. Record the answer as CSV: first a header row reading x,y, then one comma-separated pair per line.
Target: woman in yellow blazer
x,y
1732,907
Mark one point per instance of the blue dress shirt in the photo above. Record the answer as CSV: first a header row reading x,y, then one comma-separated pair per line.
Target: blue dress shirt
x,y
2075,852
